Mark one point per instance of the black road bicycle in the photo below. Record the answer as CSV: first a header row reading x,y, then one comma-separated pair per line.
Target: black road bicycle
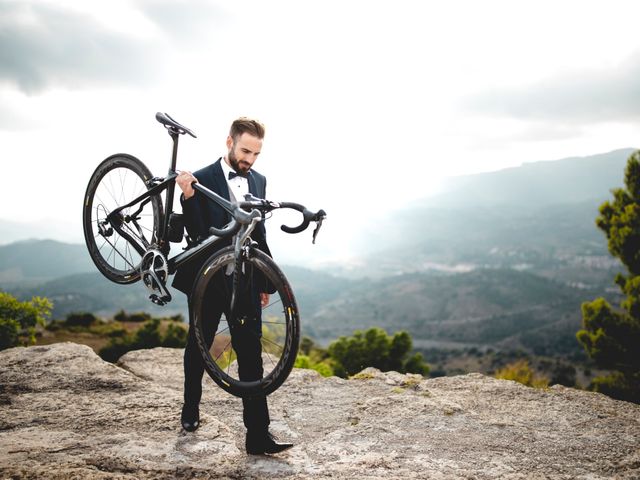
x,y
128,232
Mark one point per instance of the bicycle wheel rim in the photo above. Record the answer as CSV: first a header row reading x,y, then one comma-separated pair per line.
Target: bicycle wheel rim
x,y
117,181
280,330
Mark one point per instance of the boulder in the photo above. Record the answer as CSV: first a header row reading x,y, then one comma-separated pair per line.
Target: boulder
x,y
65,413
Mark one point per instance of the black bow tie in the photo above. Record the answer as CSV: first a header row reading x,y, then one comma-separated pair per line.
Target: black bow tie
x,y
235,174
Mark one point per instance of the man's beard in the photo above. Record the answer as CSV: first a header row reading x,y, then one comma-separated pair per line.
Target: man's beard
x,y
233,160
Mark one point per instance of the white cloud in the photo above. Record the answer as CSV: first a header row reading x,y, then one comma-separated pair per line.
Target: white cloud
x,y
362,99
581,96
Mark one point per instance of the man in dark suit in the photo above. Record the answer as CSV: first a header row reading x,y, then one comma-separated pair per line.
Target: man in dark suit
x,y
230,177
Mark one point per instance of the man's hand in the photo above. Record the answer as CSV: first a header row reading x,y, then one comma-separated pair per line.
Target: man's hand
x,y
264,299
184,181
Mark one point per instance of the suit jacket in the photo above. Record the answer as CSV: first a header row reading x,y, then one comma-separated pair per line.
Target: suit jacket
x,y
200,213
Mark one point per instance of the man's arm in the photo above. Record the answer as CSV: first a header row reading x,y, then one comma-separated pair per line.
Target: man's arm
x,y
190,205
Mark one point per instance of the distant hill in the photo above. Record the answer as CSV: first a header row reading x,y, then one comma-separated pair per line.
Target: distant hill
x,y
498,307
65,230
91,292
37,261
539,216
538,184
504,260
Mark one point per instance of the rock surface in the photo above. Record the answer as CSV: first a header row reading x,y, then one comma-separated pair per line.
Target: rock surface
x,y
64,413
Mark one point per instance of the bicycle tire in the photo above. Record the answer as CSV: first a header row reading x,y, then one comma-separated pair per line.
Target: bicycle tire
x,y
112,254
280,328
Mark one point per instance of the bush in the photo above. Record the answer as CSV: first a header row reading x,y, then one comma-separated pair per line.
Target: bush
x,y
374,348
618,385
175,337
18,319
148,336
139,317
563,374
122,316
323,368
81,319
9,333
521,372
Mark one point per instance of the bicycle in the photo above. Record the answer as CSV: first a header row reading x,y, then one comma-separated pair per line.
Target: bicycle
x,y
128,232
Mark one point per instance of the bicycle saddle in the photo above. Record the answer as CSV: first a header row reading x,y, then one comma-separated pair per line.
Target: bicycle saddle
x,y
166,120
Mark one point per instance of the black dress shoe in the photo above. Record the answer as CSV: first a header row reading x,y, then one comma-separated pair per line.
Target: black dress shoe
x,y
263,442
190,417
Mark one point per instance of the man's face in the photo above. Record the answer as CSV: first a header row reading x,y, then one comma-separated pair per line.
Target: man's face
x,y
243,152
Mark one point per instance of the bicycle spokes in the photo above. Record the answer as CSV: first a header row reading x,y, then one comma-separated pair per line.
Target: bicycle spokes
x,y
118,237
253,348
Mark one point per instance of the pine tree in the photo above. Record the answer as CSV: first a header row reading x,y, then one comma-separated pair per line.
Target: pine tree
x,y
612,336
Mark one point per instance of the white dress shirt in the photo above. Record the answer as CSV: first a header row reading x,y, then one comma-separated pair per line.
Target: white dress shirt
x,y
238,186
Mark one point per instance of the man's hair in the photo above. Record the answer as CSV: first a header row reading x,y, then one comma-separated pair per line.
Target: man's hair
x,y
246,125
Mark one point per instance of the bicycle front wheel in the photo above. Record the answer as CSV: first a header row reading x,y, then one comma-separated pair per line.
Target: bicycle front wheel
x,y
252,355
118,180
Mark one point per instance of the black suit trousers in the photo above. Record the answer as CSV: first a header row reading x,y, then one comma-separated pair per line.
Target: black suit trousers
x,y
245,340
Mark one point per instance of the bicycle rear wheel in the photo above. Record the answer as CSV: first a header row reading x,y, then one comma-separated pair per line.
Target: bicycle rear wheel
x,y
118,180
276,335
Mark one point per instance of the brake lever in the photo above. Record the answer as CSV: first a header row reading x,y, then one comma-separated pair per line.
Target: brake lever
x,y
321,216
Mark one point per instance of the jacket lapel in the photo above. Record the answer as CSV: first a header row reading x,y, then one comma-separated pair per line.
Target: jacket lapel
x,y
253,188
221,187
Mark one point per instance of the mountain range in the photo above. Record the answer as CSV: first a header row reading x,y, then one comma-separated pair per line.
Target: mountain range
x,y
501,259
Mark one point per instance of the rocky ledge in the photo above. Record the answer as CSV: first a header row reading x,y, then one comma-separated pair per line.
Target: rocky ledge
x,y
65,413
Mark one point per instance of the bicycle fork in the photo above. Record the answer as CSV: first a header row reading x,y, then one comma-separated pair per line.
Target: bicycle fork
x,y
242,268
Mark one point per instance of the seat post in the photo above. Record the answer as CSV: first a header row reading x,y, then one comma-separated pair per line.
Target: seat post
x,y
175,136
170,189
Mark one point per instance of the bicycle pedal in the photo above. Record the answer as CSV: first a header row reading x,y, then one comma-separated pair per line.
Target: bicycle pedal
x,y
157,300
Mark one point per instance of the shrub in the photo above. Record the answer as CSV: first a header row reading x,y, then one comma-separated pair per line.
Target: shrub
x,y
139,317
521,372
148,336
175,337
80,319
375,348
18,319
122,316
323,368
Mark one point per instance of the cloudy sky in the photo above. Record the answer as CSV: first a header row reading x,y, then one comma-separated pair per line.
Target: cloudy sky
x,y
362,100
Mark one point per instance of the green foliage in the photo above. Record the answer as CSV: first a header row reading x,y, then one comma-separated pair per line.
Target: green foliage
x,y
563,374
9,333
18,319
108,329
80,319
416,364
123,316
323,368
612,337
375,348
618,385
148,336
314,357
175,336
521,372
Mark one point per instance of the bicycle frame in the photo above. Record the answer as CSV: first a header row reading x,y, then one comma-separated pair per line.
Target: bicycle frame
x,y
241,274
116,219
245,215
